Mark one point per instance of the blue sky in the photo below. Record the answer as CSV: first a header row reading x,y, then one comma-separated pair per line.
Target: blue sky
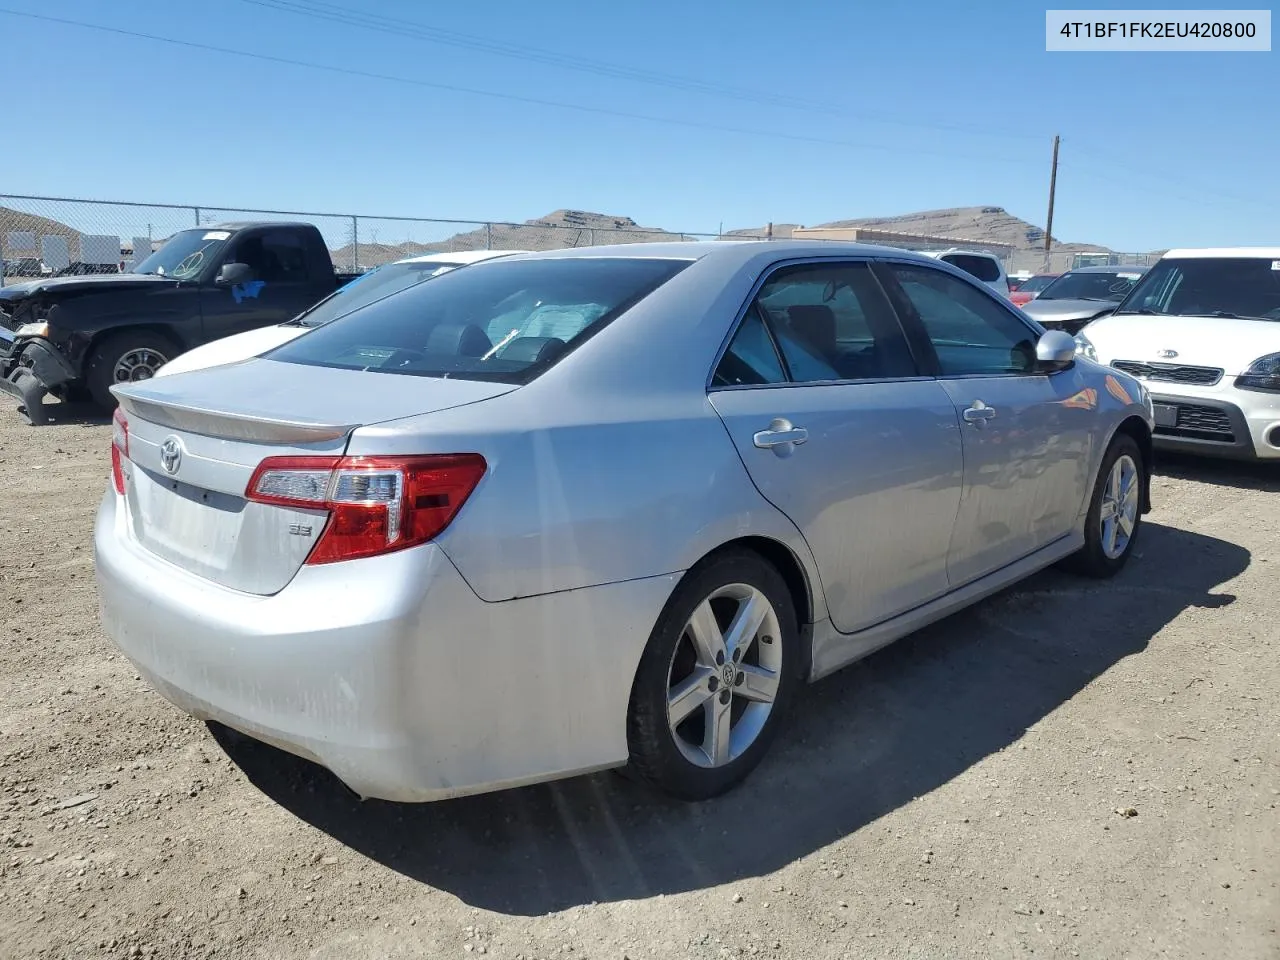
x,y
820,111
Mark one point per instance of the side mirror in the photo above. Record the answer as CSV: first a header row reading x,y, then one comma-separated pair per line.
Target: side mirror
x,y
232,273
1055,350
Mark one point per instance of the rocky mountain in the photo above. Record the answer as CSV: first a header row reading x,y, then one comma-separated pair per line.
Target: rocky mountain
x,y
985,224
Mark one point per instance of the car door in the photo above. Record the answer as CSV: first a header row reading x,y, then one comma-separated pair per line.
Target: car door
x,y
1027,434
280,286
822,397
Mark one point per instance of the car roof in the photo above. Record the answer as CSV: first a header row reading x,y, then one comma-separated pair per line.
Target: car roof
x,y
725,252
1262,253
461,256
1112,268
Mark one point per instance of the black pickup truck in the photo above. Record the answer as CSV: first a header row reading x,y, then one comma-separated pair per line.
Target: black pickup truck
x,y
74,337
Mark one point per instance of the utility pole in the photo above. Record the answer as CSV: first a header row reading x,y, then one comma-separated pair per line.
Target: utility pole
x,y
1053,186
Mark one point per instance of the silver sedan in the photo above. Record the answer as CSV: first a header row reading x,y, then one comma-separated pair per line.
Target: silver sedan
x,y
600,507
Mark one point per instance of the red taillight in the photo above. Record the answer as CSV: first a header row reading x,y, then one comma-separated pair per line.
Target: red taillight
x,y
375,504
119,448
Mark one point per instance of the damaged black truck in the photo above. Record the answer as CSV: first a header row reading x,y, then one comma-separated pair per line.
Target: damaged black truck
x,y
73,338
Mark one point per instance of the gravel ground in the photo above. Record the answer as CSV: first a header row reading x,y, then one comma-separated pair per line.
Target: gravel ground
x,y
1068,769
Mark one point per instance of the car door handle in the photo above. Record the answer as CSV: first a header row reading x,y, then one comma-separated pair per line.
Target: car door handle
x,y
979,413
782,434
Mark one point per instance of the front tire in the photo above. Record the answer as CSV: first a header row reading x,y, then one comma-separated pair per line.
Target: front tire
x,y
1115,512
127,357
721,668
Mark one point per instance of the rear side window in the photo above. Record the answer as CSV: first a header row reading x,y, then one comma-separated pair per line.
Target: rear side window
x,y
505,321
751,358
984,268
830,321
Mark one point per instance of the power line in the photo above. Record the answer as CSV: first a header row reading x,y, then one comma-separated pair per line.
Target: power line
x,y
512,97
335,13
1149,174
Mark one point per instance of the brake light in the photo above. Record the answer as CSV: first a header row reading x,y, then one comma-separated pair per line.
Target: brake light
x,y
376,504
119,448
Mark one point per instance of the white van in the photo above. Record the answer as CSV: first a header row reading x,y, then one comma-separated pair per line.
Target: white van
x,y
984,266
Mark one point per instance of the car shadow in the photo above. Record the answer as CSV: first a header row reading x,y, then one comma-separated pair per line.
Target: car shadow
x,y
860,744
1262,476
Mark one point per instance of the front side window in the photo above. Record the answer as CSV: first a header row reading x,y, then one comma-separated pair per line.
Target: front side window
x,y
505,321
1209,287
277,256
971,333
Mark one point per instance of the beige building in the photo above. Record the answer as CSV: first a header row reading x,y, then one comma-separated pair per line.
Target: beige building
x,y
912,241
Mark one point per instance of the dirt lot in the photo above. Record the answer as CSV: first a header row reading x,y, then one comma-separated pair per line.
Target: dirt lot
x,y
1069,769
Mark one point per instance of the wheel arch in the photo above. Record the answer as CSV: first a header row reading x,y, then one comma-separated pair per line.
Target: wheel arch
x,y
1135,427
162,330
791,568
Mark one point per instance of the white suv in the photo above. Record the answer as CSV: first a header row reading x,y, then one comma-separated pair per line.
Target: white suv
x,y
984,266
1202,330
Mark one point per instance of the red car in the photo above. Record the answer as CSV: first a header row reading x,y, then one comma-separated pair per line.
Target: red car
x,y
1030,288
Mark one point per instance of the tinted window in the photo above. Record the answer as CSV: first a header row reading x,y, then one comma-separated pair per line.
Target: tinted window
x,y
1242,286
751,357
275,257
984,268
1090,285
504,321
1035,284
833,322
378,283
970,332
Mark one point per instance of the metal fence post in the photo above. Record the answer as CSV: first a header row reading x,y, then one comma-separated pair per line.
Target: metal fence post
x,y
197,210
355,244
591,236
488,236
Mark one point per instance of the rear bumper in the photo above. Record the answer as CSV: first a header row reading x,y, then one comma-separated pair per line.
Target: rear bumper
x,y
388,671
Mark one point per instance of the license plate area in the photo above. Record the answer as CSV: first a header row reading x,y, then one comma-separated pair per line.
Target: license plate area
x,y
1166,414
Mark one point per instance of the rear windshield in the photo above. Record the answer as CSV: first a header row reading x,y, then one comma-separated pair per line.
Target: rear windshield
x,y
1035,284
1092,285
1209,287
505,321
377,283
984,268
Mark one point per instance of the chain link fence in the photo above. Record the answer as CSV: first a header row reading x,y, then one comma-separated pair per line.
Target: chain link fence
x,y
53,236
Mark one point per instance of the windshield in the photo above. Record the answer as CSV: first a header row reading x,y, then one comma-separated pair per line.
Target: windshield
x,y
185,254
1210,286
1035,284
1090,285
377,283
505,321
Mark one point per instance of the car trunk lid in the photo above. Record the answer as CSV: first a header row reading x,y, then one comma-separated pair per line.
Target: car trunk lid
x,y
195,439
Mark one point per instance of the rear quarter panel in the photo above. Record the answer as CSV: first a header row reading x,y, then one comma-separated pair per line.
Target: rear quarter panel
x,y
633,487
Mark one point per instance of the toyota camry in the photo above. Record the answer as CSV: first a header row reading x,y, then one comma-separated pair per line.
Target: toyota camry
x,y
601,507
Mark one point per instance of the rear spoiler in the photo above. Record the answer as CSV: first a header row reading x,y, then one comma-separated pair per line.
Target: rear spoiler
x,y
228,426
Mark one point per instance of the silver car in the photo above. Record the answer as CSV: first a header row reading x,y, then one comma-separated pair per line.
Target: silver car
x,y
600,507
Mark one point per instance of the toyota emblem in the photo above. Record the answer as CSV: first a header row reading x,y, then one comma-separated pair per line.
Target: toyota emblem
x,y
171,455
1167,354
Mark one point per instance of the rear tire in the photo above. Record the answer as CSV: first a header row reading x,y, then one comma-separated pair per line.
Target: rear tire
x,y
1115,512
126,357
708,699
